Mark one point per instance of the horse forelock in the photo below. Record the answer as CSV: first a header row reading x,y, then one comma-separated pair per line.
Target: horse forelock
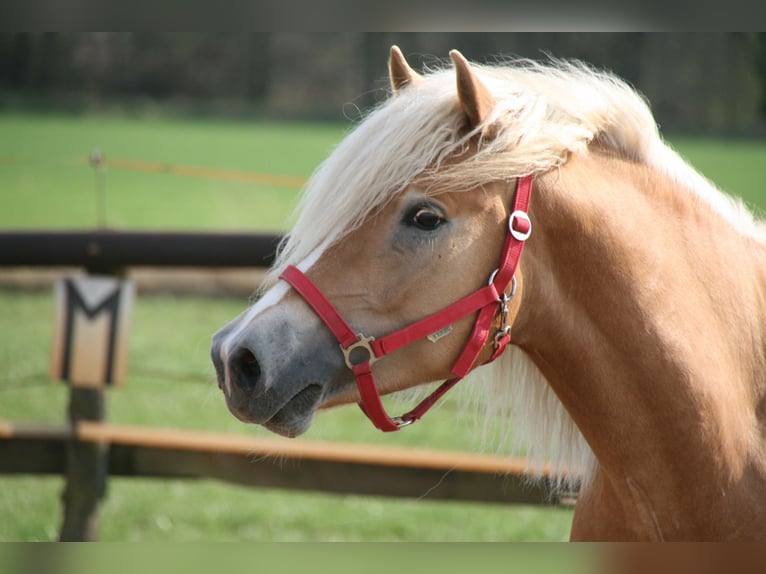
x,y
543,113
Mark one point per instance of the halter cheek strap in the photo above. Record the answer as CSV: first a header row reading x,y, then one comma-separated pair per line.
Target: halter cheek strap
x,y
361,352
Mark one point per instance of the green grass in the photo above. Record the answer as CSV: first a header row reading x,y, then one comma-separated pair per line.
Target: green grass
x,y
143,510
45,182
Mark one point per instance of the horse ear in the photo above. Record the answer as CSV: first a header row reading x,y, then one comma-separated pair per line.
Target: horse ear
x,y
399,70
475,99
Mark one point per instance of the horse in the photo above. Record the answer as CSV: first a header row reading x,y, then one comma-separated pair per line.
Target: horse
x,y
526,220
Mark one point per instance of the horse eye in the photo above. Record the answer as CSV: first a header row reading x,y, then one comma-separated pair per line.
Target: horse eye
x,y
426,219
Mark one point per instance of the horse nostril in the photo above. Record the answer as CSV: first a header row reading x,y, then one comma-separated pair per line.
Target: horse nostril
x,y
251,363
246,369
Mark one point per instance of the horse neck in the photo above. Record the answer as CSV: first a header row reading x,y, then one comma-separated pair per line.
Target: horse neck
x,y
644,312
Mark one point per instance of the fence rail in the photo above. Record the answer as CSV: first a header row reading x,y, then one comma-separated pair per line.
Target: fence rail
x,y
105,249
275,463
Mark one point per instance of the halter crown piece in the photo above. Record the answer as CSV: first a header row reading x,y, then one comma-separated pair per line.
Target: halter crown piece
x,y
360,352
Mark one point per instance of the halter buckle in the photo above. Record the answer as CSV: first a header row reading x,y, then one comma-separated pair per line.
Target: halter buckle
x,y
363,343
502,332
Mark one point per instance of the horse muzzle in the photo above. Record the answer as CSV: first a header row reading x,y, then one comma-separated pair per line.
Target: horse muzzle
x,y
275,371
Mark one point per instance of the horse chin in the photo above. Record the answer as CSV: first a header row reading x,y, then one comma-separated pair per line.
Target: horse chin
x,y
288,417
291,427
296,416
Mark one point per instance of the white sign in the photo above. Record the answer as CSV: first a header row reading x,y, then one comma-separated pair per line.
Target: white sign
x,y
90,330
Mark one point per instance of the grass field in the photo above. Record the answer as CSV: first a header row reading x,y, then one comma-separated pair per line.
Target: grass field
x,y
45,182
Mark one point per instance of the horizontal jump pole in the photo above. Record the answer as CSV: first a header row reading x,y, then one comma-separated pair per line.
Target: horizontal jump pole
x,y
106,249
276,463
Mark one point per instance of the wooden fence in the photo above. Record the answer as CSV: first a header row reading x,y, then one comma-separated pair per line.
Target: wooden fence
x,y
88,450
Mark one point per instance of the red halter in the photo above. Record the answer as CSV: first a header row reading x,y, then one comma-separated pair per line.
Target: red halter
x,y
361,352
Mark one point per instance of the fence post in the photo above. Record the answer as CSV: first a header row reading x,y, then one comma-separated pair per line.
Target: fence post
x,y
87,468
90,351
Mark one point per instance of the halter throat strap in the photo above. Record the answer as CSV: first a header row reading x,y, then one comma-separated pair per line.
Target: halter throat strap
x,y
360,352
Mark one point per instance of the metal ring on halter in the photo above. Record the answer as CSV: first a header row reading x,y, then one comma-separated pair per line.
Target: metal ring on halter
x,y
505,298
513,287
520,235
401,423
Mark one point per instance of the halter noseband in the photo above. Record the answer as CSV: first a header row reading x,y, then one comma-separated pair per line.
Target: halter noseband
x,y
360,352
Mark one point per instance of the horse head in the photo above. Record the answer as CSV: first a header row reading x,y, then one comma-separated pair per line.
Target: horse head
x,y
387,241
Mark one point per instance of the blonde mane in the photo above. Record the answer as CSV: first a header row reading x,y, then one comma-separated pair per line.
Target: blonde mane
x,y
544,112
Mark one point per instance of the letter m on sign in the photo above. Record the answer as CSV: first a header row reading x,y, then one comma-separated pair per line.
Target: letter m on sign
x,y
90,331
